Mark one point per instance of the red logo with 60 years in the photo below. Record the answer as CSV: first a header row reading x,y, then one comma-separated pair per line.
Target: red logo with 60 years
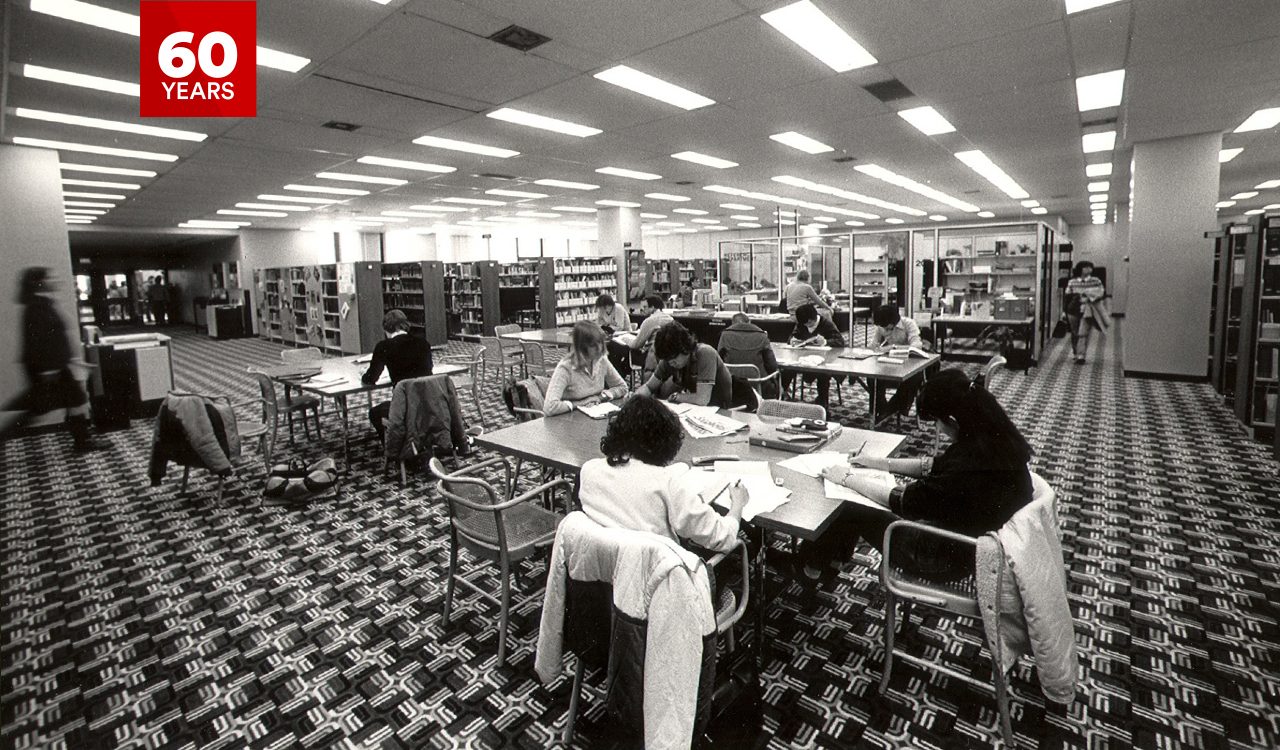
x,y
199,59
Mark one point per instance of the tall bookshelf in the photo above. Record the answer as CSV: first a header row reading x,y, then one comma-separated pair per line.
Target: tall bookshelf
x,y
519,297
660,278
636,277
576,283
476,297
1258,354
452,308
418,290
269,321
334,307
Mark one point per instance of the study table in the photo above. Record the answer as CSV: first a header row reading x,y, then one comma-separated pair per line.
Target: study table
x,y
543,336
567,441
839,362
707,325
965,325
347,370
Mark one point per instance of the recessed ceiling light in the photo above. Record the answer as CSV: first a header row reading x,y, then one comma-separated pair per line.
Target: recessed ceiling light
x,y
236,212
1224,204
1100,90
1098,197
1040,211
705,221
1227,154
815,226
98,196
748,225
669,224
73,220
818,187
576,209
539,214
273,206
1098,170
896,220
1246,195
709,161
983,214
1075,6
514,193
210,224
413,214
101,184
667,197
880,173
927,120
1098,206
803,23
449,209
405,164
106,170
66,77
88,204
1099,220
1095,142
1271,206
475,201
937,217
982,164
1099,187
716,228
653,87
467,146
619,204
528,119
91,149
825,219
786,222
745,217
567,184
297,199
86,211
1263,119
737,206
801,142
346,177
1031,203
1267,185
690,211
631,173
653,216
324,189
1255,211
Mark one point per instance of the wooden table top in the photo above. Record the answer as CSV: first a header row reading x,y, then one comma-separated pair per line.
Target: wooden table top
x,y
548,336
566,441
834,364
348,369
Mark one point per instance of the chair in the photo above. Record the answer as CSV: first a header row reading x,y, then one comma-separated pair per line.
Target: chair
x,y
495,356
535,358
300,403
306,354
494,527
472,378
776,408
990,368
247,430
751,374
403,443
958,598
513,350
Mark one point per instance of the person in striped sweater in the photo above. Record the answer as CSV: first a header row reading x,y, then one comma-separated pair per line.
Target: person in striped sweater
x,y
1083,290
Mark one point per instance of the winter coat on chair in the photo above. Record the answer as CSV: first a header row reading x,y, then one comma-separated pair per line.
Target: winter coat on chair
x,y
193,430
425,414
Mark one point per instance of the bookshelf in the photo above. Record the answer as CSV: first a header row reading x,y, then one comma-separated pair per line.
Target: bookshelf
x,y
637,277
660,278
418,290
333,307
476,297
1257,318
975,271
452,310
519,293
269,320
575,284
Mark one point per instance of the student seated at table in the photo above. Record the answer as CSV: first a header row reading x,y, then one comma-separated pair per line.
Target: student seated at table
x,y
745,343
688,371
894,330
655,318
974,487
635,486
612,316
583,377
816,330
403,355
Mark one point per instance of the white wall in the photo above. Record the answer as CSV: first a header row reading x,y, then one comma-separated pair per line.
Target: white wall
x,y
1105,245
274,248
34,234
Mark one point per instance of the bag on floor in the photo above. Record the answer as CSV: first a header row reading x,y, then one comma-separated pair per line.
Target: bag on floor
x,y
1060,329
297,481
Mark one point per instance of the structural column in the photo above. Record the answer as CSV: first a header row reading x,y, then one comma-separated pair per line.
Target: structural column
x,y
617,230
1166,328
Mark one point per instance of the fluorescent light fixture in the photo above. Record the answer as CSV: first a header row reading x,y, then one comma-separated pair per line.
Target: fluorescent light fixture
x,y
346,177
1095,142
1031,203
1075,6
802,142
514,193
1098,206
1263,119
90,149
1224,204
669,224
620,172
66,77
1227,154
576,209
1255,211
98,196
101,184
475,201
653,216
237,212
89,204
1267,185
937,217
745,217
420,166
690,211
87,211
1099,187
667,197
539,214
815,33
106,170
716,228
983,214
655,88
1271,206
737,206
880,173
786,222
74,220
413,214
705,160
814,226
982,164
271,58
927,120
528,119
818,187
325,189
1246,195
748,225
567,184
1098,170
619,204
273,207
1040,211
894,220
825,219
297,199
686,230
1100,90
705,221
449,209
1095,197
861,224
210,224
467,146
1099,220
119,127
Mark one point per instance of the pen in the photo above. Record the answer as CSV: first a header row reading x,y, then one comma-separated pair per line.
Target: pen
x,y
723,489
858,452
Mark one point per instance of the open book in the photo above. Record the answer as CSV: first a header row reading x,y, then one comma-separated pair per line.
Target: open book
x,y
626,339
599,411
906,352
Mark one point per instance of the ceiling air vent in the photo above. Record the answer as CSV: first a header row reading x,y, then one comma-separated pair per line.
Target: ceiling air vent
x,y
844,159
971,192
889,91
343,126
496,176
684,182
518,37
1098,123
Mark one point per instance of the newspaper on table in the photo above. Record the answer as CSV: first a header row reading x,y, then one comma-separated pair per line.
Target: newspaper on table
x,y
705,422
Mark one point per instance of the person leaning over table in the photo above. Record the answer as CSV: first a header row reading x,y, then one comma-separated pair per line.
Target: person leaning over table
x,y
813,329
655,318
635,486
688,372
894,330
612,316
403,355
975,486
584,377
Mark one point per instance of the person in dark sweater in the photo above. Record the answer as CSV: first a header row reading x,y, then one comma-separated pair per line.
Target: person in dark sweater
x,y
975,486
813,329
404,356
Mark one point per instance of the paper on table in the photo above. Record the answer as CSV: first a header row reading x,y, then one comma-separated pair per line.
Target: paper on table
x,y
599,411
625,338
676,408
763,495
840,492
744,468
810,347
705,425
858,353
812,464
327,378
363,358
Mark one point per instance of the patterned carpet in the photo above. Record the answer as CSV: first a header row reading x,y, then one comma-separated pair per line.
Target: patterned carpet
x,y
147,618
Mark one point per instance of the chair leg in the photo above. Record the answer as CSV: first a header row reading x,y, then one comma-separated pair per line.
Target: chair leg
x,y
574,699
221,486
289,417
504,614
186,472
890,625
453,571
404,476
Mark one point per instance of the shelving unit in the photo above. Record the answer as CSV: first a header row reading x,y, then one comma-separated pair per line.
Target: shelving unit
x,y
269,321
636,277
660,278
476,297
978,272
1257,386
418,290
335,307
575,284
519,297
452,310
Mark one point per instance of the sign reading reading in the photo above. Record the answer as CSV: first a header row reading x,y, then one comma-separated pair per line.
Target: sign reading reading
x,y
199,58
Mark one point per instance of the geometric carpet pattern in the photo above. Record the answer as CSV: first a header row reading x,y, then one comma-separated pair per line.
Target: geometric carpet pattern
x,y
140,617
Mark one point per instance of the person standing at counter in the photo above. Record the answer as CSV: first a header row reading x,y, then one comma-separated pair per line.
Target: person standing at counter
x,y
800,292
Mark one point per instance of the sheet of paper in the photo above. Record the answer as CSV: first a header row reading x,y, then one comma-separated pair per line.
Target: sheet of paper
x,y
858,353
812,464
675,408
840,492
326,379
599,411
763,495
744,469
363,359
625,338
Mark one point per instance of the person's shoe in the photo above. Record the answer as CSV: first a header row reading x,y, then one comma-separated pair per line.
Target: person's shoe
x,y
811,572
1079,359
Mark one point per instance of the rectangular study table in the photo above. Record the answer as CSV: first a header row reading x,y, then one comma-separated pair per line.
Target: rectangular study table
x,y
349,369
974,326
543,336
836,363
566,441
707,325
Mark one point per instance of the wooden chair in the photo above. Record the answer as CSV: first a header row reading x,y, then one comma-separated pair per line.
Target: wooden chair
x,y
779,409
300,403
512,350
495,527
535,358
472,379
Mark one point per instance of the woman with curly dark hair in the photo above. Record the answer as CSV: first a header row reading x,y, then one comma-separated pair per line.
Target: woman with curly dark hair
x,y
635,486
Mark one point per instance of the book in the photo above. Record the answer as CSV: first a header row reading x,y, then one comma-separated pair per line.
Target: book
x,y
600,411
858,353
891,360
770,436
906,352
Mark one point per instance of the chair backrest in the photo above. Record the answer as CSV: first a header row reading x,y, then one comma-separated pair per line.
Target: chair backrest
x,y
742,371
525,398
509,328
745,393
475,510
990,369
289,356
535,357
772,407
268,389
491,350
